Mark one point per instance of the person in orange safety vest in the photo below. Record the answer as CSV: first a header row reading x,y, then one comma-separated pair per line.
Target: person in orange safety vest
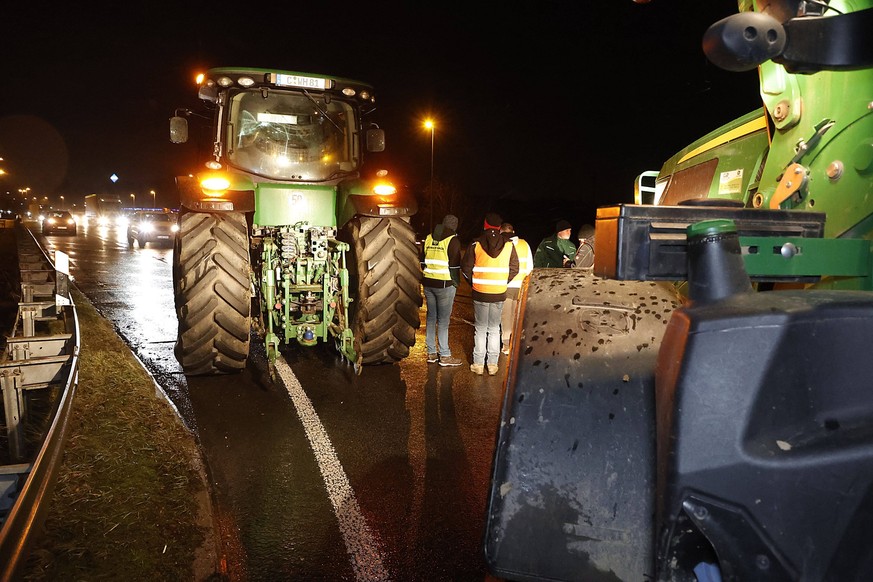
x,y
489,264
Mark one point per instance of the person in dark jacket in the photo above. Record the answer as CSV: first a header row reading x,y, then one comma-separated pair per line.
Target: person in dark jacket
x,y
441,265
489,264
557,250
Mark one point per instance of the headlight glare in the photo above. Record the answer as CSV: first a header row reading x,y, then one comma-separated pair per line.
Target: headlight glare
x,y
384,189
215,183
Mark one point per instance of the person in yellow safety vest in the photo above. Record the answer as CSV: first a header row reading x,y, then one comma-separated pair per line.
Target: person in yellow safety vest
x,y
441,267
489,264
525,266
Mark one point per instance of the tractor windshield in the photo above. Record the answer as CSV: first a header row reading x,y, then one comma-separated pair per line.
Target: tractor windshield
x,y
288,136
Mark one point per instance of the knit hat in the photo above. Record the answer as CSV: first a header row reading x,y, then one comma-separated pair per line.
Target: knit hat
x,y
562,225
493,221
450,221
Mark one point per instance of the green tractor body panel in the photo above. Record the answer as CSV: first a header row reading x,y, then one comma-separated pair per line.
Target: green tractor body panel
x,y
288,163
822,146
277,204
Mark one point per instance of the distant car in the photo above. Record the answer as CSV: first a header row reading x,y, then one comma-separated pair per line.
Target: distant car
x,y
155,227
59,222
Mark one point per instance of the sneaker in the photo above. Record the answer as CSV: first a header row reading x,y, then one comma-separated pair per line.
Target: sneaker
x,y
477,369
450,361
505,349
433,358
492,369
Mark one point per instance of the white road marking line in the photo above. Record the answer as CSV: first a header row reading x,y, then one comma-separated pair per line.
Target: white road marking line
x,y
361,545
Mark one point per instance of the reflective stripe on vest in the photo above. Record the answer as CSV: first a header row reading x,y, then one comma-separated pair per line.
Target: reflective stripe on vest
x,y
436,258
525,262
490,274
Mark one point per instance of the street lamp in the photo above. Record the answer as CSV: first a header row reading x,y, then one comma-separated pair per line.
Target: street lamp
x,y
429,124
154,204
133,200
62,202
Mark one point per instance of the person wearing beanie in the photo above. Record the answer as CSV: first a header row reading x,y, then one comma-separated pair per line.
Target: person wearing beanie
x,y
558,250
441,265
525,266
489,264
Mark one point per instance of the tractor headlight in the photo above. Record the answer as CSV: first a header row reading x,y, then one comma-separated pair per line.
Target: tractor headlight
x,y
215,184
384,189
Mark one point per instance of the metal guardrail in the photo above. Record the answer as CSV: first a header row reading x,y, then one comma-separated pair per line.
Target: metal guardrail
x,y
38,377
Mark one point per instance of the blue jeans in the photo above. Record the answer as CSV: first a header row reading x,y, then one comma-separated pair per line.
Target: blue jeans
x,y
439,313
486,338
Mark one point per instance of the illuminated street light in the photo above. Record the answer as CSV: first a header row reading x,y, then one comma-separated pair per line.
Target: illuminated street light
x,y
429,124
62,202
133,200
154,204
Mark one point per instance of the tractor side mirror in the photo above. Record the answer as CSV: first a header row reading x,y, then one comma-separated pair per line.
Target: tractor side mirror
x,y
743,41
376,140
178,129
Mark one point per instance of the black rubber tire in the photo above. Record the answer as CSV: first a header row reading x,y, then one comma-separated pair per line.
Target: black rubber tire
x,y
211,267
384,277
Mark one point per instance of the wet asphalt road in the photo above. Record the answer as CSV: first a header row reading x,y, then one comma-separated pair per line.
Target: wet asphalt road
x,y
324,475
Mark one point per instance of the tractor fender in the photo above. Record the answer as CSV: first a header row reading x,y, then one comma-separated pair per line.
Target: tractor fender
x,y
400,204
572,493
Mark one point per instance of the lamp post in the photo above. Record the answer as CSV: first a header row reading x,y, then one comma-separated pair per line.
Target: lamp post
x,y
133,200
62,202
429,124
154,204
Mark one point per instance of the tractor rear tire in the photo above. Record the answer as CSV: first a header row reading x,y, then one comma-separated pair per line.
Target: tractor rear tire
x,y
211,268
384,273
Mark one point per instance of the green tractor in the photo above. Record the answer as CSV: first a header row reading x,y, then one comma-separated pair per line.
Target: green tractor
x,y
282,213
700,408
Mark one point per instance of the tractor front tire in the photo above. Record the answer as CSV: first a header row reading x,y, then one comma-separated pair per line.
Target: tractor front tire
x,y
384,275
211,267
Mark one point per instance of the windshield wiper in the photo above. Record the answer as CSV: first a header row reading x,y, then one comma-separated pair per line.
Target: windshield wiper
x,y
322,111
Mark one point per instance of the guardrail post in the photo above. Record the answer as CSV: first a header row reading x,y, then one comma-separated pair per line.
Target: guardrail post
x,y
13,404
26,292
28,322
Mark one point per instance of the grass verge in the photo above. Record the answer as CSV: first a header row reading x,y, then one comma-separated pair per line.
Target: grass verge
x,y
131,501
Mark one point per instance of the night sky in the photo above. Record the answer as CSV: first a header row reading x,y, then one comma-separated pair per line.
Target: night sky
x,y
544,110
